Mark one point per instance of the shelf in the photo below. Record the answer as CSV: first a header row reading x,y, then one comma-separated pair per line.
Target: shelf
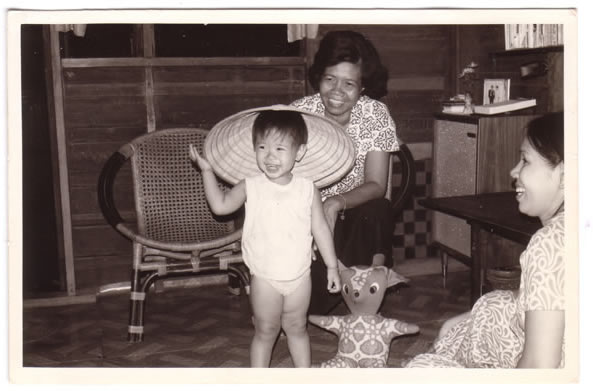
x,y
475,118
525,51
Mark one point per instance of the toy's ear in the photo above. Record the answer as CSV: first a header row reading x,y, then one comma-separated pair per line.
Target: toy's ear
x,y
384,271
394,278
382,268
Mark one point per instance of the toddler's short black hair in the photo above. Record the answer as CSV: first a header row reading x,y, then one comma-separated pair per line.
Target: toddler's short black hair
x,y
285,122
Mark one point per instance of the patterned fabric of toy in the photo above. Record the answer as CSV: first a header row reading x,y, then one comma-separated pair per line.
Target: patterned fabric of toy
x,y
364,335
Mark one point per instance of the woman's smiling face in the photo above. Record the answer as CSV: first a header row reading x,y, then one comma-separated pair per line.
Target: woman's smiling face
x,y
539,185
340,87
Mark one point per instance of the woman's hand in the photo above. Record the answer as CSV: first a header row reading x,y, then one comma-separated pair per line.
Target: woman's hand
x,y
331,207
199,160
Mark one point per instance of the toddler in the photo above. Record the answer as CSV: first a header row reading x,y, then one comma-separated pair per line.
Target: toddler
x,y
283,214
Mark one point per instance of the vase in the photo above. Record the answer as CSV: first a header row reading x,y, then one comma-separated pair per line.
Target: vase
x,y
468,107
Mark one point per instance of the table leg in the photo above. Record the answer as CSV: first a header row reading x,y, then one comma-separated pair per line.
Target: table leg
x,y
444,266
476,265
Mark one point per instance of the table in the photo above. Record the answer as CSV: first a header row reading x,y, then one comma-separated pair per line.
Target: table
x,y
497,213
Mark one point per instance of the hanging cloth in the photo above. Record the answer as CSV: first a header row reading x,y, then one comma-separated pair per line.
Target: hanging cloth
x,y
77,29
300,31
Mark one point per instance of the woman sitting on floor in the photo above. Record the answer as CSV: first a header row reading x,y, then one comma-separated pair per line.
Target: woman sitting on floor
x,y
523,329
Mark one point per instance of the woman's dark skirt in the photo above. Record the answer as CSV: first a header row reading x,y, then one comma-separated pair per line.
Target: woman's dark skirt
x,y
365,231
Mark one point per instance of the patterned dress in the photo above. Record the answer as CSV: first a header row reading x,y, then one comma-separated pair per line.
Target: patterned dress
x,y
493,335
367,229
371,128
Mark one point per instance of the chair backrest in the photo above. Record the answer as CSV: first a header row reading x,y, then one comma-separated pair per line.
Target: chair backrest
x,y
170,202
389,178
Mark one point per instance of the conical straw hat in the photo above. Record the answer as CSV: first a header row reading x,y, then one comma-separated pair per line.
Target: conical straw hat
x,y
229,148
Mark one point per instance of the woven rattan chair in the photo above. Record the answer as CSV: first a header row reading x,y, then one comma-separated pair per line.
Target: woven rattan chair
x,y
176,232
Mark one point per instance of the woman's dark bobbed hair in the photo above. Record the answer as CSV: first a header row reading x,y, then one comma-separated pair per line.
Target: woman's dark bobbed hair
x,y
349,46
546,135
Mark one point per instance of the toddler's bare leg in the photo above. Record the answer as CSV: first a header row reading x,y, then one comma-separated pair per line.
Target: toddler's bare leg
x,y
294,324
266,305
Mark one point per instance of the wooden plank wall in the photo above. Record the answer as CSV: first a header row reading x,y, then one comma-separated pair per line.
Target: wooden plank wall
x,y
107,102
475,43
200,96
105,107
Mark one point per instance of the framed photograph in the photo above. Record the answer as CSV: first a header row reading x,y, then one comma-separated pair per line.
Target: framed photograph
x,y
496,90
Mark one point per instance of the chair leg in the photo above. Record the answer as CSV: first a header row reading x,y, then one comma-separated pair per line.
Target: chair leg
x,y
136,313
136,310
234,284
140,283
135,326
444,266
140,287
238,275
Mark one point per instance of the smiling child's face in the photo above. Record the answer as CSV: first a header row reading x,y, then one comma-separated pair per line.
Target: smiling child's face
x,y
276,155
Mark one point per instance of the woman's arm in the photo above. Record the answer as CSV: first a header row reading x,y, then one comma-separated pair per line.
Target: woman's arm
x,y
376,168
544,334
542,273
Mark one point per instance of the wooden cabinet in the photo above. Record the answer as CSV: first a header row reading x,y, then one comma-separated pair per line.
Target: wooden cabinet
x,y
473,155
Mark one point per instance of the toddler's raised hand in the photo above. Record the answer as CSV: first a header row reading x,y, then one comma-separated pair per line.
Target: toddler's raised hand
x,y
199,160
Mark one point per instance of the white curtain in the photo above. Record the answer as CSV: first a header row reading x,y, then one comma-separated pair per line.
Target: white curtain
x,y
300,31
77,29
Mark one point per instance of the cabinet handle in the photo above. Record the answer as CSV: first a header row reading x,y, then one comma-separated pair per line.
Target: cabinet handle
x,y
470,134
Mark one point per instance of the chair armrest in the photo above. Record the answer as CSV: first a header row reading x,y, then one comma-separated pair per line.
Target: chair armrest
x,y
105,188
405,189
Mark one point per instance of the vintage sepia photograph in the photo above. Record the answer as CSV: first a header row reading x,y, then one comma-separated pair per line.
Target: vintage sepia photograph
x,y
237,191
496,90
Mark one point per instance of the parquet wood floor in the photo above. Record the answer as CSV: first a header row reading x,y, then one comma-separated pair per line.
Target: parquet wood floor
x,y
207,327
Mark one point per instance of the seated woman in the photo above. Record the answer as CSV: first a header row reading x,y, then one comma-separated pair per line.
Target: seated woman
x,y
348,77
523,329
